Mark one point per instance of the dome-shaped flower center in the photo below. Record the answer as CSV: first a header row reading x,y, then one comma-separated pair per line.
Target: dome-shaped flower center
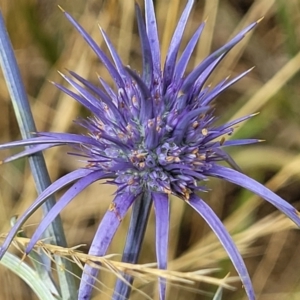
x,y
168,168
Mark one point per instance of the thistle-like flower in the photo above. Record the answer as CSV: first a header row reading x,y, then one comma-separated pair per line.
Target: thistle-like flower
x,y
152,135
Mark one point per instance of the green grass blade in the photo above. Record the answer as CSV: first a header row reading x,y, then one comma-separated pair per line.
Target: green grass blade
x,y
16,265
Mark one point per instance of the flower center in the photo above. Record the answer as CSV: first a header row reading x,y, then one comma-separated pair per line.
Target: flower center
x,y
167,169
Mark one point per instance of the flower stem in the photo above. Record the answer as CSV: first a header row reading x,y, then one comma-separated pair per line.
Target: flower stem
x,y
25,120
134,239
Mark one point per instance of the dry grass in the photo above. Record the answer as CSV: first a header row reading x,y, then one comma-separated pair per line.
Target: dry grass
x,y
45,42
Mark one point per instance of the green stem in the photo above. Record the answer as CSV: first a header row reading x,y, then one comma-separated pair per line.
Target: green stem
x,y
39,171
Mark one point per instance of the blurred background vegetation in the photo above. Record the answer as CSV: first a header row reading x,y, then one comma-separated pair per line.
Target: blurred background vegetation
x,y
45,42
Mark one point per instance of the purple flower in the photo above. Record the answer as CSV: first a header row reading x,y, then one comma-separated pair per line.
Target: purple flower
x,y
152,135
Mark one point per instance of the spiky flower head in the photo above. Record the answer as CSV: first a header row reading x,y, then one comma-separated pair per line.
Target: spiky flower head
x,y
152,135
